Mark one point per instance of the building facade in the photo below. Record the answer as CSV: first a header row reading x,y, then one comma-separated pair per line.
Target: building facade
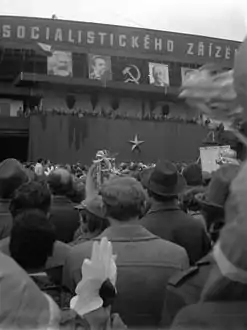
x,y
107,84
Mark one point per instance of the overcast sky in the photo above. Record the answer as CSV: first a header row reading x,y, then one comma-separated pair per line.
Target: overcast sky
x,y
214,18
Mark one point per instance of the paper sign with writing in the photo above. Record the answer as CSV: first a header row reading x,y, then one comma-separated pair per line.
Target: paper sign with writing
x,y
209,156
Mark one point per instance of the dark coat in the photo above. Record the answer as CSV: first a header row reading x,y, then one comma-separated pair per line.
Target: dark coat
x,y
144,264
212,316
185,288
54,264
5,219
169,222
65,218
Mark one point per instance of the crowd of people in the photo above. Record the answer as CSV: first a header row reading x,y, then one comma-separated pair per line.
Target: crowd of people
x,y
178,235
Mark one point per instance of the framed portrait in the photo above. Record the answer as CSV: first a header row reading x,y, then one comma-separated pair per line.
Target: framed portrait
x,y
60,64
99,67
159,74
185,72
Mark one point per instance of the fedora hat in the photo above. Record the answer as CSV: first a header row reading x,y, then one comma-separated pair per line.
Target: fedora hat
x,y
93,205
219,188
12,176
164,180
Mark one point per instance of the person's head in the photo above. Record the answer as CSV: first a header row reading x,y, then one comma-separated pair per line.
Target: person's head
x,y
165,183
32,239
99,65
159,74
123,198
31,195
60,182
92,216
193,175
12,176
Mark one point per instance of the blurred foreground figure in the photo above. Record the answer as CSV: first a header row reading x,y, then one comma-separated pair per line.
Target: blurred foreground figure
x,y
23,305
223,301
185,288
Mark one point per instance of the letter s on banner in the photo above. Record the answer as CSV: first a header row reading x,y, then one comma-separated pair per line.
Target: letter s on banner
x,y
90,37
6,31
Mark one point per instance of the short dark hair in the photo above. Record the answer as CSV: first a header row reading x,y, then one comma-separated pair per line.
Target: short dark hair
x,y
31,195
32,239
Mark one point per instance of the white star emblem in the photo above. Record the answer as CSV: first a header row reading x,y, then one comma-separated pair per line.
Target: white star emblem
x,y
135,143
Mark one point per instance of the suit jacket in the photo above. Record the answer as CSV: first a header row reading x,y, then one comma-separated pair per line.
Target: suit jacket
x,y
212,316
184,288
65,218
5,219
144,264
169,222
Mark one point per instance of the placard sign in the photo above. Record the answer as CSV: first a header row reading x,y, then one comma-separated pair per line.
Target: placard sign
x,y
209,155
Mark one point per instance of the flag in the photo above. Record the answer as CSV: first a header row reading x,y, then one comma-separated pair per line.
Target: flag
x,y
129,70
45,49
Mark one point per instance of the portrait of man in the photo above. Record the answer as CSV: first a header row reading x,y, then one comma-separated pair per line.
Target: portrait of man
x,y
60,64
99,67
159,74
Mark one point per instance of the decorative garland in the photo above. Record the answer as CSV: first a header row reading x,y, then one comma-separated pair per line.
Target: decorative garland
x,y
82,114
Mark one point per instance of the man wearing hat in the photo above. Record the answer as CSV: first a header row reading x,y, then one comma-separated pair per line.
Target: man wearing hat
x,y
185,287
166,219
12,176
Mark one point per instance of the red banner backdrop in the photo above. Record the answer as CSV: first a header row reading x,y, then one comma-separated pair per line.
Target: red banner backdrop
x,y
68,139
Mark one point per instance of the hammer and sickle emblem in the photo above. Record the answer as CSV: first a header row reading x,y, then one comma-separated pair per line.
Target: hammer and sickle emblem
x,y
133,74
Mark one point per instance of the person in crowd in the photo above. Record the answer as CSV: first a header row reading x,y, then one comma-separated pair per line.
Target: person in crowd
x,y
145,262
185,287
166,219
92,220
31,244
213,201
63,215
193,175
31,195
36,195
23,305
194,180
12,176
223,301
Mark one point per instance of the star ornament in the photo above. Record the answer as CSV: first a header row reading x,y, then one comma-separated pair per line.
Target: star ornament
x,y
135,143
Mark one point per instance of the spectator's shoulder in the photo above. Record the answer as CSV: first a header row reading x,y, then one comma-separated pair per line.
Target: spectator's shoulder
x,y
185,276
180,277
